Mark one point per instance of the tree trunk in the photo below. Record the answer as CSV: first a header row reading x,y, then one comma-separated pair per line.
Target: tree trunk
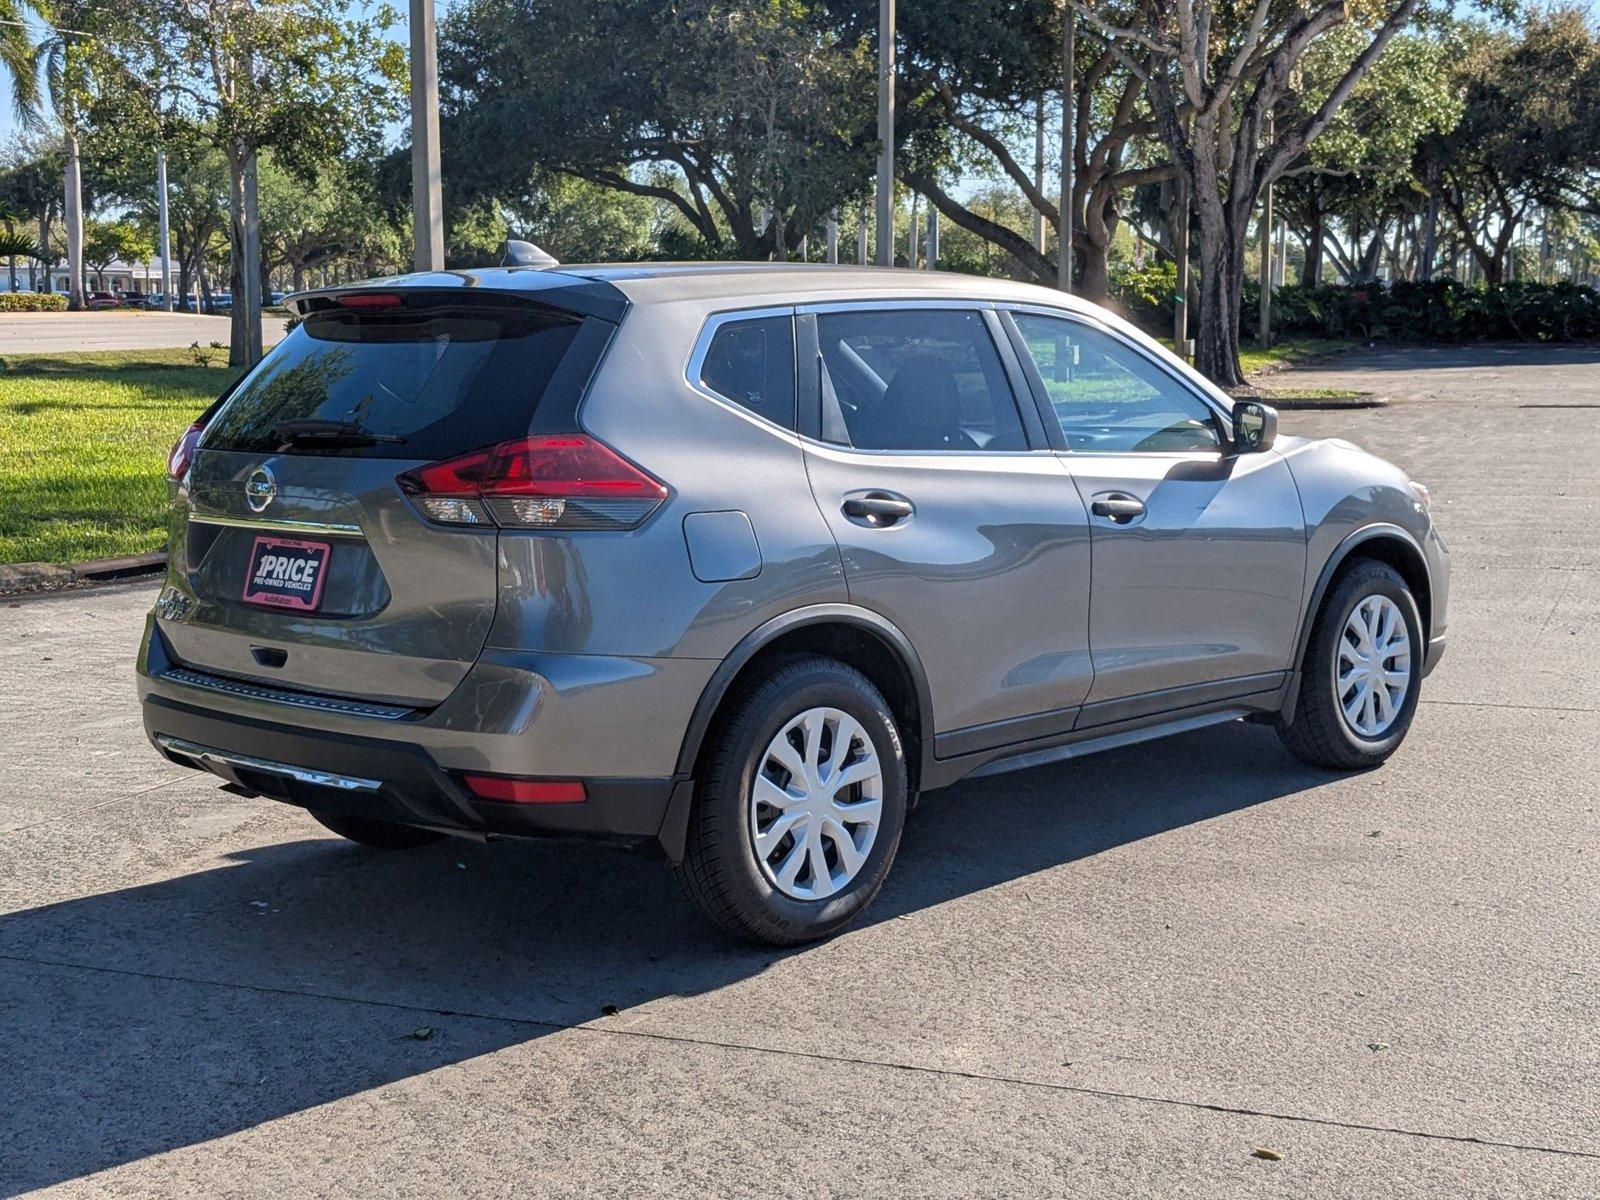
x,y
244,343
1430,238
44,249
1316,234
74,219
1216,350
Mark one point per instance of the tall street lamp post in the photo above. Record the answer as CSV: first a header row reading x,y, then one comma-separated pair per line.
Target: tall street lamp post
x,y
427,211
886,133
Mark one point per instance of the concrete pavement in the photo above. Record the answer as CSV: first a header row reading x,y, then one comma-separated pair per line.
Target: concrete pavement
x,y
56,333
1111,978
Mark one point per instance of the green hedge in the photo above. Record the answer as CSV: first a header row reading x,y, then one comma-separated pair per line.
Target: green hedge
x,y
32,302
1439,311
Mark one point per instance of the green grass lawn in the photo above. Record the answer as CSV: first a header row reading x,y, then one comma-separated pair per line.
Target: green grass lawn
x,y
1288,351
83,445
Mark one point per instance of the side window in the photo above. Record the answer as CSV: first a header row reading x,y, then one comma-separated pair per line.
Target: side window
x,y
1107,397
917,379
752,364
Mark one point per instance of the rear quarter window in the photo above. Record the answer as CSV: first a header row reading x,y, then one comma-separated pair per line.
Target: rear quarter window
x,y
751,362
429,384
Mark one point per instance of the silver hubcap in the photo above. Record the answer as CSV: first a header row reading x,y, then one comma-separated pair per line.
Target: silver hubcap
x,y
1372,667
816,803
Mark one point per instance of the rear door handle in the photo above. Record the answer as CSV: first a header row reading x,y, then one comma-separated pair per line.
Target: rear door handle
x,y
876,509
1118,507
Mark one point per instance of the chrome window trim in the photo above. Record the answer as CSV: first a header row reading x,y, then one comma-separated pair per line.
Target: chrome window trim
x,y
277,524
702,347
1225,415
879,305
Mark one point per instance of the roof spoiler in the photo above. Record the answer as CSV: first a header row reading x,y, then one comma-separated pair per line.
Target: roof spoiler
x,y
526,254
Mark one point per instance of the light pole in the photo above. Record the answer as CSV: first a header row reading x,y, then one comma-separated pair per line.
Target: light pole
x,y
1038,170
166,239
886,133
1264,327
427,211
832,230
1069,141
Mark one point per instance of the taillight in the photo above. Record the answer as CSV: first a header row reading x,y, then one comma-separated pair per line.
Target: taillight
x,y
550,481
182,452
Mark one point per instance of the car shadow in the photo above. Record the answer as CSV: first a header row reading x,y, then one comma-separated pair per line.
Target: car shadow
x,y
112,1053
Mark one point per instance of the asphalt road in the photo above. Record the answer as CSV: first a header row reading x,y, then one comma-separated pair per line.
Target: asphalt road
x,y
1113,978
55,333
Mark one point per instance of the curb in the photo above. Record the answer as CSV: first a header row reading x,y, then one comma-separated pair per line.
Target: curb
x,y
44,577
1324,403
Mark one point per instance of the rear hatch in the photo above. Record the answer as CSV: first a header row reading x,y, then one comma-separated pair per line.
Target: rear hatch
x,y
312,568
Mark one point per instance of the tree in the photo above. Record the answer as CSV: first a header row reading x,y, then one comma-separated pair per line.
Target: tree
x,y
757,110
1363,170
105,242
298,77
579,221
66,57
975,77
31,182
1529,133
1214,80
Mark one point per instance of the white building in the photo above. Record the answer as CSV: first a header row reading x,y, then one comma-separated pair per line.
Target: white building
x,y
118,277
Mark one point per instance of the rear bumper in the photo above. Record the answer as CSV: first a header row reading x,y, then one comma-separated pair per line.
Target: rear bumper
x,y
409,770
387,780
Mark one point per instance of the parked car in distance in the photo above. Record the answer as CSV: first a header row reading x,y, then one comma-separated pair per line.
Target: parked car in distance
x,y
740,559
101,300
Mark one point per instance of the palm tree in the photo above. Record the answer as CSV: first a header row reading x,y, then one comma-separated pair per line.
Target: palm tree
x,y
17,54
63,60
13,244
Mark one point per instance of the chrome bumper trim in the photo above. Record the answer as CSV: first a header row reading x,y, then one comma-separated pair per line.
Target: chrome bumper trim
x,y
272,695
273,525
211,759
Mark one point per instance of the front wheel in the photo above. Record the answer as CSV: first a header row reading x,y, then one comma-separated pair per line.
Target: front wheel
x,y
1363,667
799,810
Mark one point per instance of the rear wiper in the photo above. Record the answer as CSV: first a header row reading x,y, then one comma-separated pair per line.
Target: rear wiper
x,y
328,433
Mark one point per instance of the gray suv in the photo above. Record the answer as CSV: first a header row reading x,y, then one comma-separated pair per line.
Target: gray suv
x,y
739,560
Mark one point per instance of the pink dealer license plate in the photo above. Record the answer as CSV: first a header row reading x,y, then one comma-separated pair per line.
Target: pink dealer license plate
x,y
285,573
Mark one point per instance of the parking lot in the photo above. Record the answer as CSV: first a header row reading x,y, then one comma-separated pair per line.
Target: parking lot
x,y
1120,976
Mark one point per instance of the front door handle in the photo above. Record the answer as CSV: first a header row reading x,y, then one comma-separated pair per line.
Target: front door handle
x,y
1118,507
877,510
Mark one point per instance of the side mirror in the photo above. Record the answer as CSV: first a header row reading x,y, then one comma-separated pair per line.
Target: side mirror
x,y
1255,426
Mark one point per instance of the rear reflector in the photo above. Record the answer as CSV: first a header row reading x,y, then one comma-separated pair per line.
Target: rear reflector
x,y
550,481
526,791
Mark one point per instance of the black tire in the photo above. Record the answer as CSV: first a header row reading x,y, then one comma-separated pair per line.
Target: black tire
x,y
1319,733
379,835
719,869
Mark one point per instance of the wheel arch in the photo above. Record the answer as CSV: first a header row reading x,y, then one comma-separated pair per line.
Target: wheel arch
x,y
1388,544
865,639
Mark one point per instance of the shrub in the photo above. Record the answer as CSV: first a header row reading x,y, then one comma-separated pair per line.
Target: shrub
x,y
1441,310
32,302
1145,295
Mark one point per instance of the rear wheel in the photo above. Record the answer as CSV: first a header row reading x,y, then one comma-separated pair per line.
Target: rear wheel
x,y
1363,667
380,835
798,814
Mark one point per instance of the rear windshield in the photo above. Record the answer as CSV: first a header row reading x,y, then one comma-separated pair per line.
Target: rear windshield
x,y
423,385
